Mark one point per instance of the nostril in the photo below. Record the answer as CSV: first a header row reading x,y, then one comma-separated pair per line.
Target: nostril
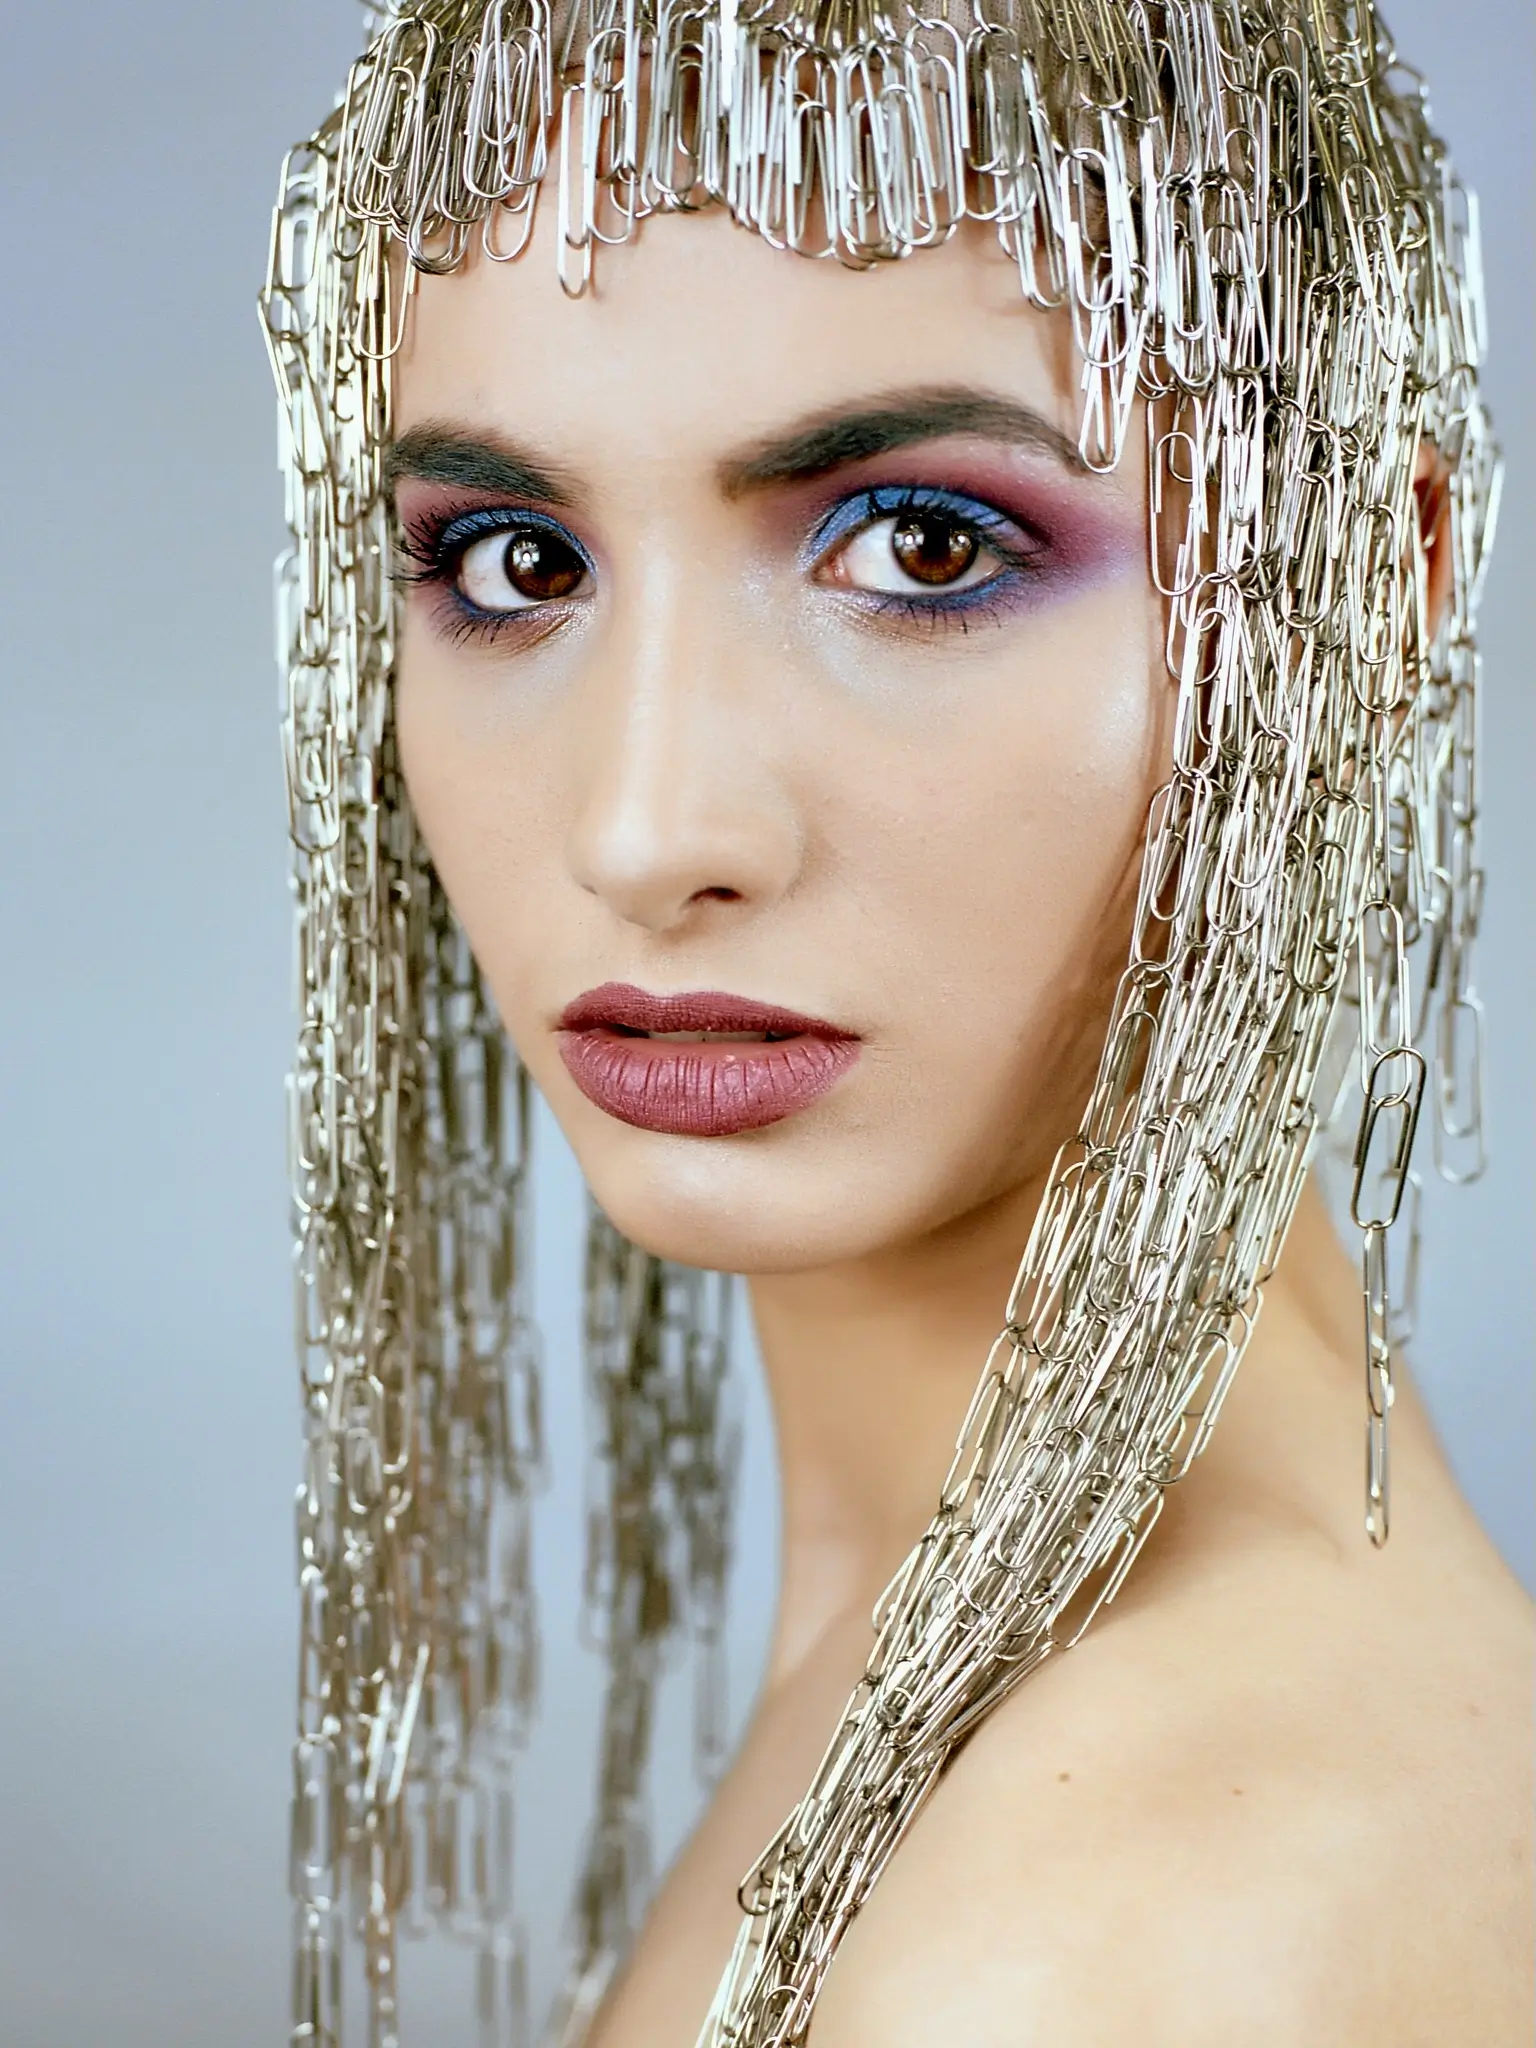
x,y
720,895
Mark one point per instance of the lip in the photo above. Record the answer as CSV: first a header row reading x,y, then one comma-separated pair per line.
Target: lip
x,y
698,1090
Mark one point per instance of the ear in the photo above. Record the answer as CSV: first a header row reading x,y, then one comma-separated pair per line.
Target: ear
x,y
1432,493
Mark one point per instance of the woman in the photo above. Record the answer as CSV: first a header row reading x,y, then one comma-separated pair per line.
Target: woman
x,y
861,713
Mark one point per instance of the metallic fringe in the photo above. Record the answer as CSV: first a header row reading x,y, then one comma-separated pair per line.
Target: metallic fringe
x,y
1242,209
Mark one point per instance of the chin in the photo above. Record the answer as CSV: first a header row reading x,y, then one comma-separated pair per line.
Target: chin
x,y
746,1204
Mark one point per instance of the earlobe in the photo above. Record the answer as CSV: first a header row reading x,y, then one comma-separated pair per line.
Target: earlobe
x,y
1432,494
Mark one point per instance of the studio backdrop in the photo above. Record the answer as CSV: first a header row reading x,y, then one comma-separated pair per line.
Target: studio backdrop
x,y
150,1424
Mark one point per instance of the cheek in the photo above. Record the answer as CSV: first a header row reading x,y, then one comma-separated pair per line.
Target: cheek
x,y
1016,852
459,753
433,725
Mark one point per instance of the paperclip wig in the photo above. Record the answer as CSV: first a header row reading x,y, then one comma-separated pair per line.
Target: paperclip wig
x,y
1241,207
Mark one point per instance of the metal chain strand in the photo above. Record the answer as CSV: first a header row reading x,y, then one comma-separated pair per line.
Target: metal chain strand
x,y
409,1121
657,1340
1242,209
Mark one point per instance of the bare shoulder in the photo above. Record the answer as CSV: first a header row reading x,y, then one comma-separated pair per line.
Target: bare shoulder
x,y
1287,1802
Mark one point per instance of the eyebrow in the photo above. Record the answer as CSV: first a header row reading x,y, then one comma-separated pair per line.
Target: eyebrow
x,y
434,453
439,453
838,438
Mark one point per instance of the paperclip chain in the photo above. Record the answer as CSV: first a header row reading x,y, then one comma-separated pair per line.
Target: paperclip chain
x,y
1243,211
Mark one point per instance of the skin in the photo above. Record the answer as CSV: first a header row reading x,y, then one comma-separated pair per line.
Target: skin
x,y
1279,1793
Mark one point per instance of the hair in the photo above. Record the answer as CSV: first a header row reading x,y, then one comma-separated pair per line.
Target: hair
x,y
1243,210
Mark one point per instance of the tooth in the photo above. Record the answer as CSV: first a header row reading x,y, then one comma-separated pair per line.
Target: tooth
x,y
709,1037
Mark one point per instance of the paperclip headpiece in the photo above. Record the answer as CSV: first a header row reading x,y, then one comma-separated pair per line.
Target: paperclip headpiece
x,y
1241,208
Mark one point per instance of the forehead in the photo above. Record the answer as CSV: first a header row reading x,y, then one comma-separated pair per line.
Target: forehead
x,y
699,333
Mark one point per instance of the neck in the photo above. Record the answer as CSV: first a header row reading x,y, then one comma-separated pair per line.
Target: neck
x,y
871,1367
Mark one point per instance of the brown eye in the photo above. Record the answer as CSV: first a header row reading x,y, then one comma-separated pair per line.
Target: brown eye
x,y
540,566
509,572
934,549
910,553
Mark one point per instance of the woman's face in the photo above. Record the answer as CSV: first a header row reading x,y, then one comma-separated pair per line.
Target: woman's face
x,y
765,640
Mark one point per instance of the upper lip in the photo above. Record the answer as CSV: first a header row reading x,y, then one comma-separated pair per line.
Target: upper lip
x,y
622,1007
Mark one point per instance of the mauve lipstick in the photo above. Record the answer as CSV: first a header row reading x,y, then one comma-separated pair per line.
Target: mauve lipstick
x,y
698,1089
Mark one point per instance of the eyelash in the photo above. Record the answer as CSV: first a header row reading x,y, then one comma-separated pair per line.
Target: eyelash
x,y
432,545
1016,546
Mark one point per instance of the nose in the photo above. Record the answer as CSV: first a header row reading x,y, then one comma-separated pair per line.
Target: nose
x,y
682,797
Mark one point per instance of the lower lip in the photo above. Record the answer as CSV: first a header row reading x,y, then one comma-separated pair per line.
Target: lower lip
x,y
703,1090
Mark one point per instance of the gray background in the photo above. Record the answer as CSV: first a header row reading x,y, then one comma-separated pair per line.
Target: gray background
x,y
148,1440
